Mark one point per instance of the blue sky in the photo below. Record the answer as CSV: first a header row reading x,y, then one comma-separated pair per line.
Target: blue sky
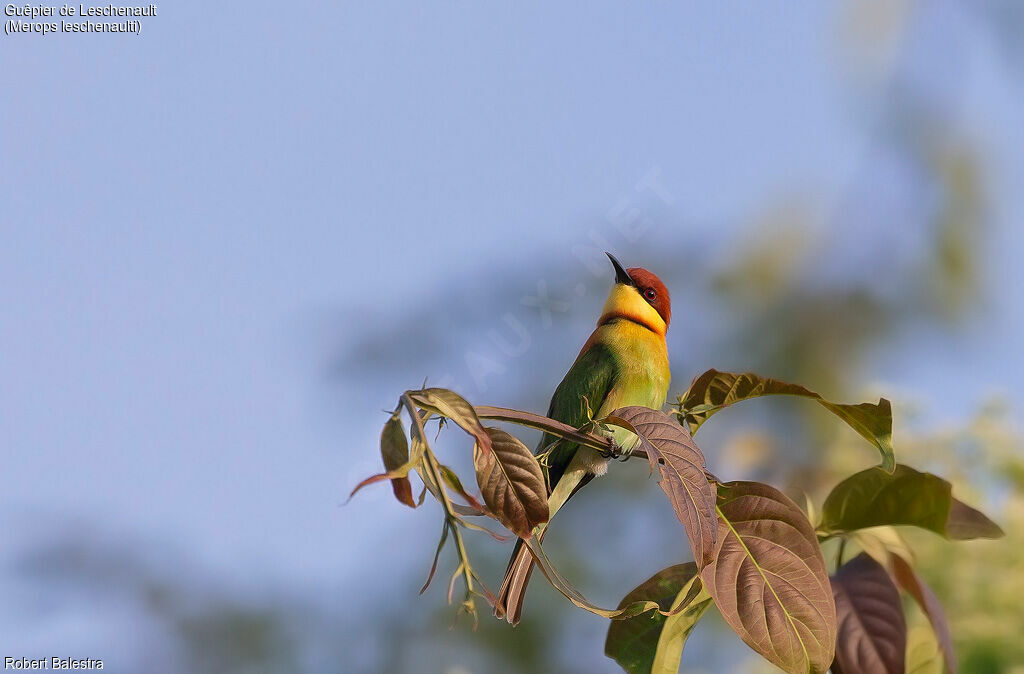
x,y
183,212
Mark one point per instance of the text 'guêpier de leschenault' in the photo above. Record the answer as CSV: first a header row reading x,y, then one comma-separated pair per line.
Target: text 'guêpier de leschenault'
x,y
37,11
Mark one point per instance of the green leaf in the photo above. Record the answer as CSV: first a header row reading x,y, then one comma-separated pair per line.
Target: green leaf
x,y
653,643
923,653
769,579
677,630
872,629
453,481
452,406
930,605
874,497
714,390
511,482
394,449
672,451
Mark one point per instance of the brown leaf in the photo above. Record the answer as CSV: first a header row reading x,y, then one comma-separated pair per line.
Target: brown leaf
x,y
672,451
511,482
769,579
394,449
965,523
402,489
929,603
714,390
371,480
872,629
453,406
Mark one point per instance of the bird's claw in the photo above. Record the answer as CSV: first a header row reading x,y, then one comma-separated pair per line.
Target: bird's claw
x,y
617,451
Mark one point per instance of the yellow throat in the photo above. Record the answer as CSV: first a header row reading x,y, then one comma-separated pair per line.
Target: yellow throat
x,y
626,302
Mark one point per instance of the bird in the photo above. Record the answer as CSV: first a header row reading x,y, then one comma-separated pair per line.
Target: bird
x,y
624,362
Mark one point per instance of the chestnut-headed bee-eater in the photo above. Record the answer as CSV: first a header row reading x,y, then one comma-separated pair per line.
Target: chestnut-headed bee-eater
x,y
625,362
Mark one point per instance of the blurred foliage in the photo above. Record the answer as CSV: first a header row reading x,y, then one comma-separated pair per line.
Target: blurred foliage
x,y
981,585
193,623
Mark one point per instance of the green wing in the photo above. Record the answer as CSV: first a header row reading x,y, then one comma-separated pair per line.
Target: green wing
x,y
592,376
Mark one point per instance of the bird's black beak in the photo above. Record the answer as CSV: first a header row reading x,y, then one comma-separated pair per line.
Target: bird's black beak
x,y
620,272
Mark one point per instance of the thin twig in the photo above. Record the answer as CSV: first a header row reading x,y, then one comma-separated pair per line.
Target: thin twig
x,y
432,468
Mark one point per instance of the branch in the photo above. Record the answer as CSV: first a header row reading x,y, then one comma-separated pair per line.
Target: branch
x,y
430,461
599,442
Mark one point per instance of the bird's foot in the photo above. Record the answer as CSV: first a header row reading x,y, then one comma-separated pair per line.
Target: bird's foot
x,y
622,453
617,451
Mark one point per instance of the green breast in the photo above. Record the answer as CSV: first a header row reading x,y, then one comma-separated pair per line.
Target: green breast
x,y
623,364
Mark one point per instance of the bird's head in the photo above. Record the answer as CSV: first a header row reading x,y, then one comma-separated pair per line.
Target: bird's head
x,y
638,296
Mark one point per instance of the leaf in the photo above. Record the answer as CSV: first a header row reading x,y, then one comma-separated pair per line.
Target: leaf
x,y
874,497
929,603
402,489
397,462
653,643
488,596
371,480
677,630
511,482
769,579
923,653
809,509
419,450
476,527
572,594
437,554
714,390
965,523
881,542
872,629
453,406
453,481
672,451
431,486
394,449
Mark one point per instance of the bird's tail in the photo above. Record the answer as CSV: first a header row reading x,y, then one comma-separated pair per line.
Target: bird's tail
x,y
517,575
513,587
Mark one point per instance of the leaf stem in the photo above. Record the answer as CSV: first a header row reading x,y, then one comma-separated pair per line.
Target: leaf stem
x,y
840,551
430,461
